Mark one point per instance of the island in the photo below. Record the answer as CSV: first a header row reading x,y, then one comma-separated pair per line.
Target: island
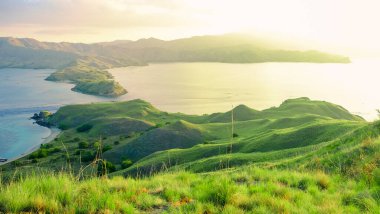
x,y
85,65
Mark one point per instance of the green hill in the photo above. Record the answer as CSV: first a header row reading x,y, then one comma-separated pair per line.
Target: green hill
x,y
137,131
304,156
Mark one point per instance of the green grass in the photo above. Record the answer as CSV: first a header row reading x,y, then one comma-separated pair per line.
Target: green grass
x,y
152,139
242,190
301,157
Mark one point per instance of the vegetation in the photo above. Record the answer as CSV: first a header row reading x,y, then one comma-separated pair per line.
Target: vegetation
x,y
303,156
247,189
89,78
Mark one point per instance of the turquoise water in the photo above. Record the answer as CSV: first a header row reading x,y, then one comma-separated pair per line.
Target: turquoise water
x,y
22,93
19,135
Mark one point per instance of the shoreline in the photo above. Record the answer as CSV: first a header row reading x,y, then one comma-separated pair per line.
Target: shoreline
x,y
54,132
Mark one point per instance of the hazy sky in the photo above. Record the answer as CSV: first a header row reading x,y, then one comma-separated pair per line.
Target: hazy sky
x,y
343,24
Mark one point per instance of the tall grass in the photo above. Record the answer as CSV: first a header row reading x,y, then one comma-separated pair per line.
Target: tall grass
x,y
232,191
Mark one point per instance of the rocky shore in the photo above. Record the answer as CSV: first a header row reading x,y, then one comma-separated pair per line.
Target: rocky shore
x,y
42,118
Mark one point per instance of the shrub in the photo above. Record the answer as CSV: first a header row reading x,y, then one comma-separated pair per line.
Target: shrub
x,y
46,146
323,181
116,142
83,145
96,145
303,184
41,153
88,156
126,163
106,148
54,150
106,167
84,128
63,126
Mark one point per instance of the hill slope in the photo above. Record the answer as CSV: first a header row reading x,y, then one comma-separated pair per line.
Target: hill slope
x,y
138,132
280,158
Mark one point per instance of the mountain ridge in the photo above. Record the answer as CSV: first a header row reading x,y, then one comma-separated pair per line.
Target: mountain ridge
x,y
88,62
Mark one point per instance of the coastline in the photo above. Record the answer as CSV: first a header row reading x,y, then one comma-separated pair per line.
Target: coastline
x,y
54,132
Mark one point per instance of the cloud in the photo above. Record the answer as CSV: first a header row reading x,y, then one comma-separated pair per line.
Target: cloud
x,y
90,13
344,23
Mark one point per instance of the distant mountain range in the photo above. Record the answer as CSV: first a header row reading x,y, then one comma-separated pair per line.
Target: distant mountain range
x,y
86,63
226,48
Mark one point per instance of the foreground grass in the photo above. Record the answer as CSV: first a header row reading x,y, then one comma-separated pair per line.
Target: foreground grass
x,y
235,191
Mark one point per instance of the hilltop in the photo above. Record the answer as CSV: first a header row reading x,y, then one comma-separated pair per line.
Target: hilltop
x,y
149,139
86,65
131,157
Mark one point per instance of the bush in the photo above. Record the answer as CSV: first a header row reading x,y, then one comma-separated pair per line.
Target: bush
x,y
54,150
88,156
84,128
46,146
126,163
323,181
63,126
106,148
83,145
116,143
303,184
106,167
96,145
41,153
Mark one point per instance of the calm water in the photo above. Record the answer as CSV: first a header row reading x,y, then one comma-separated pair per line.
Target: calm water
x,y
22,93
195,88
199,88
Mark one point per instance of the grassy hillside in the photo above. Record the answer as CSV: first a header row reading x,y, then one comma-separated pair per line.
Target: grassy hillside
x,y
243,190
149,139
303,156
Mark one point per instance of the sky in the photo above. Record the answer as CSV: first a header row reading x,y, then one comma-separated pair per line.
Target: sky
x,y
337,24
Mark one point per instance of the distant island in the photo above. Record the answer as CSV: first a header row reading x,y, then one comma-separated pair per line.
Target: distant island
x,y
86,65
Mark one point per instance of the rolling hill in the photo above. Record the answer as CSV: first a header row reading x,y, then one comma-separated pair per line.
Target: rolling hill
x,y
131,157
137,131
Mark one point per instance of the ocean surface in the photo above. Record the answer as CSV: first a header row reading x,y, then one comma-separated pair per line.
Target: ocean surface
x,y
194,88
24,92
199,88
